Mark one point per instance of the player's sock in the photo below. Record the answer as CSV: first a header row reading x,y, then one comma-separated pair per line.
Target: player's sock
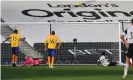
x,y
131,61
125,70
13,58
52,61
49,61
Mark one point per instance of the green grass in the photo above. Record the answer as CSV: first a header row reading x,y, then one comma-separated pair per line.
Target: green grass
x,y
64,73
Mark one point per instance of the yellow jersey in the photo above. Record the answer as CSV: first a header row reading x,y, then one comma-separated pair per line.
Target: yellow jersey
x,y
15,38
52,41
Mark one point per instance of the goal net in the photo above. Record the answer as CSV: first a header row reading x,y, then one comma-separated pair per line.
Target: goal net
x,y
92,39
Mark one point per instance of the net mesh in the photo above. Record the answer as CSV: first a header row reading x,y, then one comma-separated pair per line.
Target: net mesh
x,y
92,39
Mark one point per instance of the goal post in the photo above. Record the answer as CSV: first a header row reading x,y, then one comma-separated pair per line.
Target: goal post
x,y
92,39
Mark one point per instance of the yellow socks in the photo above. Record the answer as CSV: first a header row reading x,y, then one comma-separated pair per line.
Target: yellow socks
x,y
16,59
52,63
49,61
13,58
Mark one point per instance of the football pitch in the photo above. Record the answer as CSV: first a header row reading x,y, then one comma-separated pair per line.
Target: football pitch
x,y
64,73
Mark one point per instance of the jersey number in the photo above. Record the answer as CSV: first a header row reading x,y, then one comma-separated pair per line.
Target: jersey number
x,y
131,34
52,41
14,38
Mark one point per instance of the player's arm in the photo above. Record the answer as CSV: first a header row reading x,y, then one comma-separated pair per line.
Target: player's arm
x,y
7,39
18,28
98,62
45,43
123,39
59,42
22,39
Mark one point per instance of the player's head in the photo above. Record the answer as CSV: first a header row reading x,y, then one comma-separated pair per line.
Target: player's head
x,y
103,53
132,21
53,32
15,31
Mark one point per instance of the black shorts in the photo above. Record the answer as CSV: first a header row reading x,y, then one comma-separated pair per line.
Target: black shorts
x,y
112,64
15,50
130,51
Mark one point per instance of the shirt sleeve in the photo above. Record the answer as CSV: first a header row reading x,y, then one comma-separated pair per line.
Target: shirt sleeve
x,y
45,41
58,39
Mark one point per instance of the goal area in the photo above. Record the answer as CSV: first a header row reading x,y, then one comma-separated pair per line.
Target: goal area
x,y
92,39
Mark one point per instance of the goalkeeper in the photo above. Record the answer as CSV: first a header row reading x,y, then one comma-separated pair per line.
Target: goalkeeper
x,y
104,61
29,61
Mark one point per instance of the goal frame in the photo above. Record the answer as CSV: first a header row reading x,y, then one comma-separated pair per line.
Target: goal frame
x,y
50,23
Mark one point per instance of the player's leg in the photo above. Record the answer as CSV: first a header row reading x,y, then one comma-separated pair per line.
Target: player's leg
x,y
132,57
23,64
126,66
116,64
16,54
112,64
13,56
128,56
132,62
53,57
120,63
49,57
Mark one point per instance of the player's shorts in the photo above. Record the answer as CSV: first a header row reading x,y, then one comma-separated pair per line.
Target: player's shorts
x,y
130,51
51,52
112,64
15,50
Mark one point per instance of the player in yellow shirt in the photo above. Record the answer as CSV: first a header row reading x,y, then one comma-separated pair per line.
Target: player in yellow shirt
x,y
51,46
15,38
